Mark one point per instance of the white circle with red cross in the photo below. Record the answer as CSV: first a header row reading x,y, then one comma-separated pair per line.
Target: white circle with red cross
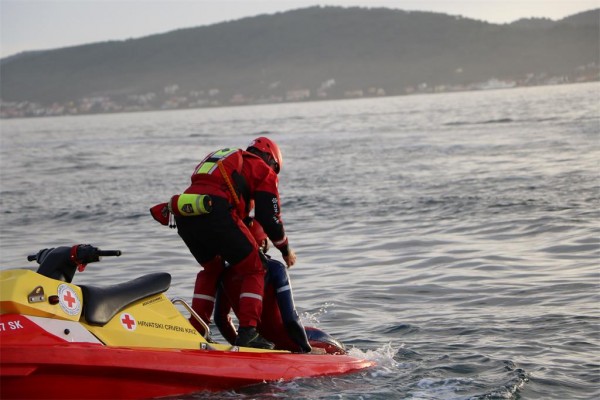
x,y
68,299
128,321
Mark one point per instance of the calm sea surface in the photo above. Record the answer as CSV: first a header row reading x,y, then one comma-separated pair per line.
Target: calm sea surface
x,y
454,238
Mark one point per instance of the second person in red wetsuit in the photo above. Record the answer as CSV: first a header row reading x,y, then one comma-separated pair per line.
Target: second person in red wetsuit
x,y
280,322
233,178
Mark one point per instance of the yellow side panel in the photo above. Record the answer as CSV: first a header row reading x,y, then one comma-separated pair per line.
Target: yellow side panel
x,y
17,284
151,322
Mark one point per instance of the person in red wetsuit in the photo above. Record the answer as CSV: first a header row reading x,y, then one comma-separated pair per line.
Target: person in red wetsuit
x,y
279,322
233,178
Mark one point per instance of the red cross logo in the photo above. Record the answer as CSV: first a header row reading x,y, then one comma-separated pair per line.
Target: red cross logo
x,y
68,297
128,322
69,300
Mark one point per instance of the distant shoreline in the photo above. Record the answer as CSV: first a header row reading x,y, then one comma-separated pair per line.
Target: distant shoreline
x,y
42,112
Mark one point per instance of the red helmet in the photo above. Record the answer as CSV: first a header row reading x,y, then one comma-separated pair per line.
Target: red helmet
x,y
268,150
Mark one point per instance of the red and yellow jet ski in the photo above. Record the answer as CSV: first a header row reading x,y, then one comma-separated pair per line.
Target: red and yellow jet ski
x,y
60,340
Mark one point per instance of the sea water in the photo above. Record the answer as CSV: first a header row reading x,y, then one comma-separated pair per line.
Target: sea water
x,y
453,238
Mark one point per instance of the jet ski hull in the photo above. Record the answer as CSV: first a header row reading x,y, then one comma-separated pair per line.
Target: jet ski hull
x,y
85,370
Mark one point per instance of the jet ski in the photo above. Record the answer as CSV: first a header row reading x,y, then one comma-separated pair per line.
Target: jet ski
x,y
127,341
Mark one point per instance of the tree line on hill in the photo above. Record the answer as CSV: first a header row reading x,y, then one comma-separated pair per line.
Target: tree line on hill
x,y
318,50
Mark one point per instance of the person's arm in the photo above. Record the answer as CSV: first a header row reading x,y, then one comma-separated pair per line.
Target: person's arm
x,y
263,183
268,214
285,301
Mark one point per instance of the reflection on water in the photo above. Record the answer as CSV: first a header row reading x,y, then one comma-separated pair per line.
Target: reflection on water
x,y
453,238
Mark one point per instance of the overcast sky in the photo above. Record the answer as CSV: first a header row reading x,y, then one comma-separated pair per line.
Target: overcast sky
x,y
48,24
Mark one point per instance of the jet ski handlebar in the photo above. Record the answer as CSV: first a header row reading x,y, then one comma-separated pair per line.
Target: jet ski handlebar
x,y
61,262
84,253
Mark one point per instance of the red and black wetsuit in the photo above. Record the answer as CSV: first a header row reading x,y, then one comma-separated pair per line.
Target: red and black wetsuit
x,y
280,322
232,177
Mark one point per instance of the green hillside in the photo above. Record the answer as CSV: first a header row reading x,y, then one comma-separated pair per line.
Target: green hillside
x,y
321,51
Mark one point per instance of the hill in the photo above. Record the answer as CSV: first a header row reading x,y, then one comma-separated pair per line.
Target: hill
x,y
314,52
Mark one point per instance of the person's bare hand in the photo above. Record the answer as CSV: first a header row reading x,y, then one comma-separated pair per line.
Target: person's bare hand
x,y
290,259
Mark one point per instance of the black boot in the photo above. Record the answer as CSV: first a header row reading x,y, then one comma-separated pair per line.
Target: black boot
x,y
248,337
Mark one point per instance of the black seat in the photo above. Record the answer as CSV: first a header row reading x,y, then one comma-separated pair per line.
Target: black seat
x,y
102,303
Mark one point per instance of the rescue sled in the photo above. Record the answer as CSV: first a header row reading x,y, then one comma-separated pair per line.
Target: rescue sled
x,y
60,340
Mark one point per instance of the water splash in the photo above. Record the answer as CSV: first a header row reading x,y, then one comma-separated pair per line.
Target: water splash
x,y
383,356
313,319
